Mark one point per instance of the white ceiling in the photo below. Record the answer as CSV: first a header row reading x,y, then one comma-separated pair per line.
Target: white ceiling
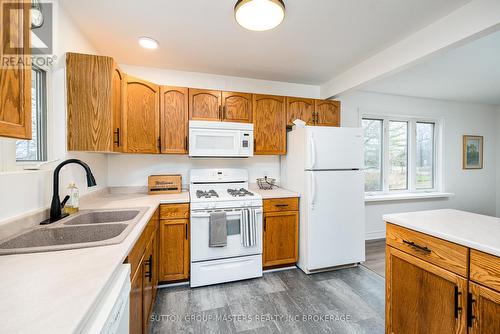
x,y
469,73
318,39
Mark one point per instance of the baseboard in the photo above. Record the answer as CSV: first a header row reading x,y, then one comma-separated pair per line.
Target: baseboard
x,y
266,271
375,235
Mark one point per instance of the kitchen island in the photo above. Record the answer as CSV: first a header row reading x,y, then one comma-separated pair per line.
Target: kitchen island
x,y
442,272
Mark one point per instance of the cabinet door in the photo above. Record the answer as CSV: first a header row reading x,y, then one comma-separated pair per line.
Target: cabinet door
x,y
327,113
116,107
236,107
141,116
204,105
147,284
281,235
485,315
15,82
269,118
174,250
136,322
299,108
174,119
423,298
93,102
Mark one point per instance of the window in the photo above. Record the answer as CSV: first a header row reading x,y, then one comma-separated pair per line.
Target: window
x,y
36,148
400,154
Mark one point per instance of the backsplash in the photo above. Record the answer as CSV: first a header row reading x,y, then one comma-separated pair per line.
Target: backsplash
x,y
133,170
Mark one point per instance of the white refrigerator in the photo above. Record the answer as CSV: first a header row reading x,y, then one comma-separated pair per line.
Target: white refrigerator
x,y
324,165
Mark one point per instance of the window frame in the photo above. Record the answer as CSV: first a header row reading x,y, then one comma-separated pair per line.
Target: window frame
x,y
412,153
42,115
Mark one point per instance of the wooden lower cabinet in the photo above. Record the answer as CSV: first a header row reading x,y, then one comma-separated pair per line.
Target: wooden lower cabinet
x,y
174,242
421,297
144,262
484,317
432,286
174,248
281,233
136,315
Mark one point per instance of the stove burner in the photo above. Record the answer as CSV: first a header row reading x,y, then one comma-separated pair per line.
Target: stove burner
x,y
239,193
206,194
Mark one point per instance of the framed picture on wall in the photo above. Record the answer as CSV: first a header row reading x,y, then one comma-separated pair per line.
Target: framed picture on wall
x,y
473,152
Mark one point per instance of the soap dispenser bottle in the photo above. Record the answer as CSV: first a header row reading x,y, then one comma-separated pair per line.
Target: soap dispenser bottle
x,y
74,199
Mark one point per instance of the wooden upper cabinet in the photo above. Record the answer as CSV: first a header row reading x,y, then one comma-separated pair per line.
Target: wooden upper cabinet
x,y
299,108
269,119
94,98
116,106
174,119
423,298
15,82
141,116
237,107
327,113
205,105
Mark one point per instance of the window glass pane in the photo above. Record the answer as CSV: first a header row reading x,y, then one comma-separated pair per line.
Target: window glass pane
x,y
425,156
398,155
373,154
33,150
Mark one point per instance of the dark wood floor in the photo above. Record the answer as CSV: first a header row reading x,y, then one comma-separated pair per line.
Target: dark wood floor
x,y
375,256
342,301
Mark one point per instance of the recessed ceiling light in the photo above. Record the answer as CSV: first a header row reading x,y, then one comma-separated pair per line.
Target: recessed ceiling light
x,y
259,15
148,43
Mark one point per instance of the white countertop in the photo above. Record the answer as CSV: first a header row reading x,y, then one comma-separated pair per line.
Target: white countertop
x,y
464,228
55,292
273,193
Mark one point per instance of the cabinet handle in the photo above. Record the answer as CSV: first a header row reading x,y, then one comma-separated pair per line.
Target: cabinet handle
x,y
417,247
224,112
186,231
117,133
265,221
470,313
159,144
186,145
220,112
149,263
281,205
458,308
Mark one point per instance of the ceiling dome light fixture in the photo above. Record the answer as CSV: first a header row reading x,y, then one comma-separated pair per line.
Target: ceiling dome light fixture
x,y
148,43
259,15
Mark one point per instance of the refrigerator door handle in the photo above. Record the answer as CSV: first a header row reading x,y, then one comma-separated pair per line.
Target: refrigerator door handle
x,y
313,151
313,189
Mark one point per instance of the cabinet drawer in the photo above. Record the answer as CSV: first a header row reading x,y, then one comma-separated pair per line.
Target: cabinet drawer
x,y
442,253
485,269
173,211
281,204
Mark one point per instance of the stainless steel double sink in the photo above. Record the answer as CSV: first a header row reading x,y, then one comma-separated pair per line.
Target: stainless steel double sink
x,y
87,228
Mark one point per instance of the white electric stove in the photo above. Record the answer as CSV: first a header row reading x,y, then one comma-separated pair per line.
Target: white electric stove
x,y
223,190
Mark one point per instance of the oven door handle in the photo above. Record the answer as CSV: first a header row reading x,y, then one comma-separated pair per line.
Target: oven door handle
x,y
207,215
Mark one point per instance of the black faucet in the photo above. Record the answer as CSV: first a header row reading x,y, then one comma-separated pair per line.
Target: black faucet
x,y
56,207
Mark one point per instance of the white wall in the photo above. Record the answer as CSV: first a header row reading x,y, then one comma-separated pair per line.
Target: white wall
x,y
475,190
498,163
133,170
25,191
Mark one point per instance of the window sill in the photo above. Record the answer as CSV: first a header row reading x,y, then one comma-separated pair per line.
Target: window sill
x,y
406,196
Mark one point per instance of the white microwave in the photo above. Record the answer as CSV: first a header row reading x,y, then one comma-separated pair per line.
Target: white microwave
x,y
220,139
